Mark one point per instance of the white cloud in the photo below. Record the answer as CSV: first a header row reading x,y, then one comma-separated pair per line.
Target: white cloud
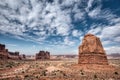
x,y
89,5
95,12
67,41
14,4
115,20
107,42
117,39
69,2
23,18
13,45
36,15
110,32
113,49
63,30
95,30
76,33
13,30
79,14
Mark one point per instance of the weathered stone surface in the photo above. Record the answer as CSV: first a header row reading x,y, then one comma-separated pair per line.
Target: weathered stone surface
x,y
43,55
91,51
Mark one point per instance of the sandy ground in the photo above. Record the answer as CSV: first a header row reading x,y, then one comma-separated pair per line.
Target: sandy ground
x,y
66,69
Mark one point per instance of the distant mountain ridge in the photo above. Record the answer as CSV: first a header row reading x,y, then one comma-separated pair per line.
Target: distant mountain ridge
x,y
114,54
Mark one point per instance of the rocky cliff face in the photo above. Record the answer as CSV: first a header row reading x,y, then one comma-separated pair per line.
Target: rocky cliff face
x,y
3,52
91,44
91,51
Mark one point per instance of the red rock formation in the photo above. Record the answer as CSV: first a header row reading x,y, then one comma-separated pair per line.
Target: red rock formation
x,y
91,51
3,52
43,55
22,56
14,55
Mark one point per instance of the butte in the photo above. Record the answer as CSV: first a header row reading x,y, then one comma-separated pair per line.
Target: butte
x,y
91,51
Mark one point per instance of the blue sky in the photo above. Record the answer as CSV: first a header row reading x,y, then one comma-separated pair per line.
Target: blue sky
x,y
58,26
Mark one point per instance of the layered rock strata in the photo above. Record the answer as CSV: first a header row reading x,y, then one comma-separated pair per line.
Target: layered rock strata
x,y
91,51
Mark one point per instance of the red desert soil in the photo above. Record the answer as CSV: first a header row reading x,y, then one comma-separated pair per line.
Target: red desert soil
x,y
61,70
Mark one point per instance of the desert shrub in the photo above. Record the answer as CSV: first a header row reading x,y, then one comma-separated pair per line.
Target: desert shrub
x,y
37,66
95,76
64,74
17,77
23,71
29,77
37,77
10,66
47,64
53,73
44,73
26,76
116,73
58,73
81,72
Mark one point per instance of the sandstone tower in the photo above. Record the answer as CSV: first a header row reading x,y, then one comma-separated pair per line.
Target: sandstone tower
x,y
91,51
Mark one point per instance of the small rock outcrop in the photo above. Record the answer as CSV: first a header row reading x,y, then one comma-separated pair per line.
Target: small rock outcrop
x,y
91,51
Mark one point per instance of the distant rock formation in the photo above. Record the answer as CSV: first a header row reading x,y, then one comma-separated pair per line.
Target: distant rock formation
x,y
22,56
14,55
43,55
3,52
91,51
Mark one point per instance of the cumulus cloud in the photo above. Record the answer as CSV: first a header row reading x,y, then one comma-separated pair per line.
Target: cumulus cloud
x,y
23,17
77,33
95,31
67,41
58,22
89,5
95,12
37,20
110,32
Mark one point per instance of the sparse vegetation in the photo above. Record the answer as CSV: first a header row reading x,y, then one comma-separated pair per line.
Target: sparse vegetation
x,y
116,73
62,70
81,72
95,76
44,73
